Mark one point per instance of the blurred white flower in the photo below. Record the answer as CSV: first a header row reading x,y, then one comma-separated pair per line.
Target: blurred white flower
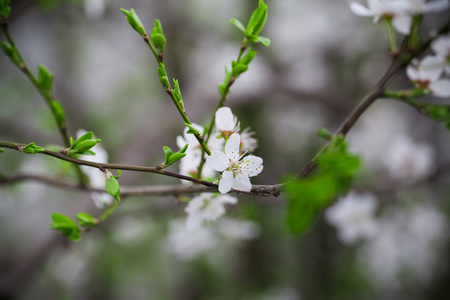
x,y
236,168
407,160
427,72
353,215
96,177
206,207
190,163
188,245
248,142
401,11
408,241
441,46
239,230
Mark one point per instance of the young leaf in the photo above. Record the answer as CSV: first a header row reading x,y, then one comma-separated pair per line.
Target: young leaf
x,y
134,21
238,68
238,24
191,129
86,220
167,152
112,185
247,59
263,40
157,36
11,52
5,9
163,76
83,144
31,148
45,78
58,111
66,225
257,20
2,150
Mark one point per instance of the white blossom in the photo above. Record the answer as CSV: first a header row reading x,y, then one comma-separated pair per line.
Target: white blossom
x,y
427,72
441,46
190,163
96,177
187,245
239,230
206,207
235,167
407,241
407,160
226,122
353,217
401,11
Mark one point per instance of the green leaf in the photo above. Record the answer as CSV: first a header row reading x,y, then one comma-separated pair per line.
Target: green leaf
x,y
134,21
83,144
257,20
157,36
86,220
438,113
2,150
31,148
191,129
238,24
11,52
263,40
66,225
45,78
177,91
5,9
112,185
167,152
238,68
58,111
336,168
325,134
175,157
163,76
247,59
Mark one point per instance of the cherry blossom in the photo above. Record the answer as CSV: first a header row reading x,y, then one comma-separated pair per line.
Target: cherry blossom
x,y
401,11
353,217
235,167
226,122
206,207
427,72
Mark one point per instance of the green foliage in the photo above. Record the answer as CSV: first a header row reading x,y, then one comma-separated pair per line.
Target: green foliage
x,y
11,52
134,21
66,225
86,220
325,134
163,76
255,25
45,79
31,148
223,87
336,169
2,150
191,129
83,144
157,36
112,185
58,111
5,9
173,157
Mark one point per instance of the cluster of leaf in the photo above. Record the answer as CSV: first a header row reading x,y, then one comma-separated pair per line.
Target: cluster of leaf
x,y
172,157
251,35
306,197
83,145
69,227
5,9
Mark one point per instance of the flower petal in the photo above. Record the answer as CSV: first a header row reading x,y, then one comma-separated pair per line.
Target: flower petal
x,y
402,23
218,161
440,88
226,182
225,120
232,147
242,183
360,10
251,165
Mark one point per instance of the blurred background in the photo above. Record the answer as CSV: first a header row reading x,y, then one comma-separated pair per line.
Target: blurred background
x,y
323,59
